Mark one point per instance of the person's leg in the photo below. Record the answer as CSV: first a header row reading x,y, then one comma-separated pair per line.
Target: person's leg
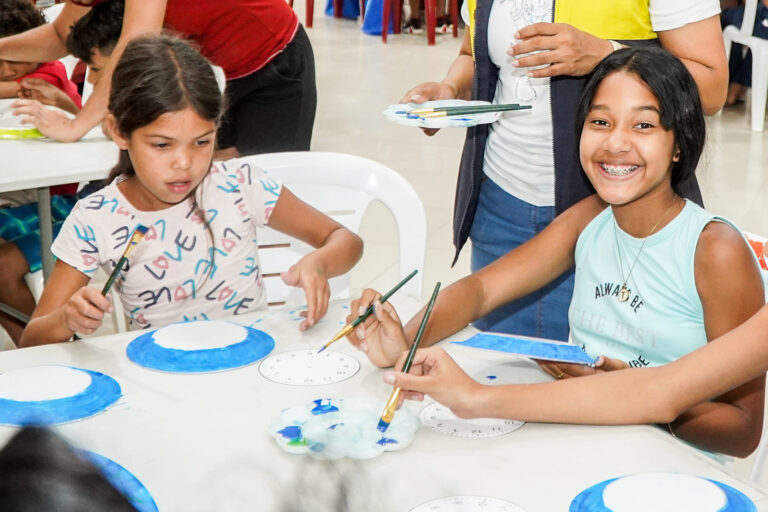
x,y
412,25
503,222
13,290
273,109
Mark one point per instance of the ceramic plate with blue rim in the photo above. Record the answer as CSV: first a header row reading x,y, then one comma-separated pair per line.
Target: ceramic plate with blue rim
x,y
46,395
661,492
124,481
200,346
333,428
536,348
400,114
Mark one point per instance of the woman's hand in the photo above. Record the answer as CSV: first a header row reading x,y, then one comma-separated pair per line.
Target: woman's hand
x,y
429,91
567,370
564,50
309,274
47,94
381,335
84,311
434,373
49,122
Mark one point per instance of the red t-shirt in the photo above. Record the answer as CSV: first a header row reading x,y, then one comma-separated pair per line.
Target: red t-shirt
x,y
240,36
56,74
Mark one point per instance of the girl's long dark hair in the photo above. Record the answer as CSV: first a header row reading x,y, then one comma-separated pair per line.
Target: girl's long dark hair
x,y
674,88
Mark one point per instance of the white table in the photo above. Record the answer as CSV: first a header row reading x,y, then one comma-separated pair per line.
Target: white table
x,y
200,442
42,163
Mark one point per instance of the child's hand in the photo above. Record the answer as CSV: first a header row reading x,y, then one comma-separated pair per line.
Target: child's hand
x,y
49,122
429,91
436,374
567,370
85,310
309,275
47,94
381,335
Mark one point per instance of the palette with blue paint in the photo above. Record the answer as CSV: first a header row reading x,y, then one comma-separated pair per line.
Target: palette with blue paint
x,y
124,481
536,348
661,492
400,113
200,346
46,395
333,428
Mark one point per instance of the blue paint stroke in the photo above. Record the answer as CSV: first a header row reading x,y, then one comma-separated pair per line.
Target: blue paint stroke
x,y
323,406
124,481
333,427
490,377
553,351
591,499
386,440
145,352
291,432
102,392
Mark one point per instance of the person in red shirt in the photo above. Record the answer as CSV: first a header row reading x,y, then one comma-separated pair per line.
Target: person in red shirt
x,y
265,54
17,16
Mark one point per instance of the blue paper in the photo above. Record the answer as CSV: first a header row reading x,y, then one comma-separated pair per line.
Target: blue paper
x,y
102,392
530,347
591,499
124,481
145,352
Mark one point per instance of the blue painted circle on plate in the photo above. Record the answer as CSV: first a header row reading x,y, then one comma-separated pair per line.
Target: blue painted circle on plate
x,y
102,392
591,499
124,481
146,352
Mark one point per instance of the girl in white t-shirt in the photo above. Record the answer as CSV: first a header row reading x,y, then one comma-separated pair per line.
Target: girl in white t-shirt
x,y
199,256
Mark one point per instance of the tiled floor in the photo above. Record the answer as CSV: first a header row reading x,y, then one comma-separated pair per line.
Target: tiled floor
x,y
358,77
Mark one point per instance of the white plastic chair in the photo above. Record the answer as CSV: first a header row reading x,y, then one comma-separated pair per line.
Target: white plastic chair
x,y
341,186
743,35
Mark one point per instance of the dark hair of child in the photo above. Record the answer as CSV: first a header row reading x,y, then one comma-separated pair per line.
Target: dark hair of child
x,y
17,16
99,29
674,88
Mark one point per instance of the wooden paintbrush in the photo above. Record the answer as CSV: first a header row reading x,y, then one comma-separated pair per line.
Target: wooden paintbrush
x,y
136,237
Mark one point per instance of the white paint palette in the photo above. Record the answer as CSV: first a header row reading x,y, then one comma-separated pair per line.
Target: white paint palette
x,y
308,368
440,419
468,504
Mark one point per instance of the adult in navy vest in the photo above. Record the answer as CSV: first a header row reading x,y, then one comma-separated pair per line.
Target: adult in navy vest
x,y
265,54
518,173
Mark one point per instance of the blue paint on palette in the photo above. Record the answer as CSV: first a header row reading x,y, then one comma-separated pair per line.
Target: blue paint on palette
x,y
102,392
291,431
537,349
385,441
124,481
323,406
490,377
591,499
145,352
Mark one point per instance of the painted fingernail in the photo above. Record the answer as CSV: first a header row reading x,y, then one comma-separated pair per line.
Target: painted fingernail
x,y
389,378
517,35
360,333
529,74
360,311
416,96
363,346
516,63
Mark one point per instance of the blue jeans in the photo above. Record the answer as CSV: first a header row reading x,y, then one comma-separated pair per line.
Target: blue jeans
x,y
503,222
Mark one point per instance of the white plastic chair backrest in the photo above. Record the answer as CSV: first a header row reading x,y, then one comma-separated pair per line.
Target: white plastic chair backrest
x,y
748,22
341,186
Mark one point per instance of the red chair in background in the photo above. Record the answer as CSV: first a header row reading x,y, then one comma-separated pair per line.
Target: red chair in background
x,y
430,8
310,10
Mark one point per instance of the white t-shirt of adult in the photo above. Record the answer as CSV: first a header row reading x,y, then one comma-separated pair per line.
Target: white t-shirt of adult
x,y
519,153
176,273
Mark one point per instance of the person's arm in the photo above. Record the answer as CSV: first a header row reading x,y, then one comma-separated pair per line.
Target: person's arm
x,y
39,90
336,251
141,17
516,274
9,89
624,397
44,43
730,287
700,47
66,306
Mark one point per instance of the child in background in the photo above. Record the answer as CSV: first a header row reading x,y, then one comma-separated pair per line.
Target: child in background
x,y
91,39
656,276
199,258
17,16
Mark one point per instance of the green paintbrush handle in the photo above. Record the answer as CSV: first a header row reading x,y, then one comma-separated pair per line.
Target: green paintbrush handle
x,y
420,332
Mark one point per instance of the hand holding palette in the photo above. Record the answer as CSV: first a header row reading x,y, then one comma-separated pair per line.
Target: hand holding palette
x,y
331,428
400,114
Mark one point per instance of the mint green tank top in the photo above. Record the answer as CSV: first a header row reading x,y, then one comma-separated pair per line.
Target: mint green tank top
x,y
663,318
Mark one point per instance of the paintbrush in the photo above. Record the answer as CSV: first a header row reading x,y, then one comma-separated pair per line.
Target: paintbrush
x,y
357,321
467,109
136,237
389,409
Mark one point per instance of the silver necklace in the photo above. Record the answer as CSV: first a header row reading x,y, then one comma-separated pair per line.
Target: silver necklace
x,y
624,291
